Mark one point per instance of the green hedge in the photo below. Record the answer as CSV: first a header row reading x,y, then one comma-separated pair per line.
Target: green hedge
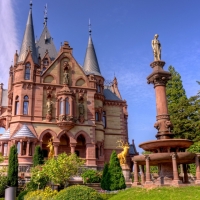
x,y
78,192
91,176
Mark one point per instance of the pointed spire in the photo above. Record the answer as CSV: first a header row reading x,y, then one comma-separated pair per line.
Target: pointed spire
x,y
46,41
45,15
28,40
91,65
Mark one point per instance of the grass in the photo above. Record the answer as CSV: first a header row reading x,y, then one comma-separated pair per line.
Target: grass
x,y
160,193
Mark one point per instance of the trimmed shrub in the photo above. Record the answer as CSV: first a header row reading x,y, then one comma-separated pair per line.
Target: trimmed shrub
x,y
22,195
116,179
3,183
105,178
78,192
46,194
91,176
13,167
38,158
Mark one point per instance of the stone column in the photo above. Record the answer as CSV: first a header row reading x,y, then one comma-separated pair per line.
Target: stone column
x,y
136,182
57,109
20,148
176,180
185,173
73,146
64,106
159,78
1,148
142,174
33,148
148,175
70,107
27,148
90,154
56,149
197,169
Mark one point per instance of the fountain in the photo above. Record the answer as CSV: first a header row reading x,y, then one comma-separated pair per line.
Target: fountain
x,y
166,152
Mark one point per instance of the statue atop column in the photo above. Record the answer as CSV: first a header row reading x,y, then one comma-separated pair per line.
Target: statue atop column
x,y
156,46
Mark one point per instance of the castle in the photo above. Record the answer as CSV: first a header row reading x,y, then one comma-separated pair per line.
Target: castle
x,y
51,96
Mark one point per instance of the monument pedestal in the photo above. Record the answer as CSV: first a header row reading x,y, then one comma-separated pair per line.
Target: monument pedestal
x,y
126,172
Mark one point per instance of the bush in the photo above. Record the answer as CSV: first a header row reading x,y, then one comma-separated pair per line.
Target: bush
x,y
105,178
13,167
38,158
46,194
116,178
91,176
3,183
22,195
78,192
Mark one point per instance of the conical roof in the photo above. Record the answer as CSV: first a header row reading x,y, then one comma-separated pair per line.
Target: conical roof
x,y
6,135
91,65
24,132
28,41
46,43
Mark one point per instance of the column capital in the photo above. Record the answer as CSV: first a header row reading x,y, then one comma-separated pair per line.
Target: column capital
x,y
147,157
173,155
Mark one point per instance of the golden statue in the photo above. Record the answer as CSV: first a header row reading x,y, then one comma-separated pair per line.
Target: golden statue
x,y
51,148
122,156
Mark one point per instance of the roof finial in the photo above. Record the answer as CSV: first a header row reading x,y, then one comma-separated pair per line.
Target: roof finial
x,y
45,15
31,4
90,29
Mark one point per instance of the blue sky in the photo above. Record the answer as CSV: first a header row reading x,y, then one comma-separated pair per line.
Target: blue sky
x,y
122,32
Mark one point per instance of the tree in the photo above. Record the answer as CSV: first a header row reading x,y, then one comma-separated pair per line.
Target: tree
x,y
179,106
13,167
105,178
3,178
38,158
116,178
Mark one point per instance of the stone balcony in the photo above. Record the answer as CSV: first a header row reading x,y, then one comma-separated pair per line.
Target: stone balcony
x,y
66,122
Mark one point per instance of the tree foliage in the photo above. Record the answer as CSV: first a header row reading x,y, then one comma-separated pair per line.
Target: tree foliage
x,y
116,179
13,167
105,178
38,158
181,109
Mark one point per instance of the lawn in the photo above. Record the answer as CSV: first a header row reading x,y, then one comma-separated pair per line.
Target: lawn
x,y
160,193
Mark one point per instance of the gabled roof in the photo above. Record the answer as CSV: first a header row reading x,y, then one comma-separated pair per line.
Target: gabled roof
x,y
28,41
24,132
91,65
46,43
6,135
109,95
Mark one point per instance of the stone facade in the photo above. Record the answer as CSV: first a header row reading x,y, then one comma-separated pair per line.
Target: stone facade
x,y
57,98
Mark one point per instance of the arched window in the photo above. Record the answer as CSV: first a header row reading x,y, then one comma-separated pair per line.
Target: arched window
x,y
61,107
27,71
17,105
67,107
46,62
104,119
25,105
96,116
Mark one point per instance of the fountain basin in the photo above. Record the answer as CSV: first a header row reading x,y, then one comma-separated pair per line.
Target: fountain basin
x,y
165,143
160,158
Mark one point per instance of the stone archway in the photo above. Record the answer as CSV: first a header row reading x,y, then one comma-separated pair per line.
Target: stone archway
x,y
64,145
80,149
45,140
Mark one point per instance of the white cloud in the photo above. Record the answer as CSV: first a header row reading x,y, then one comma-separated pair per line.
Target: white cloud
x,y
8,38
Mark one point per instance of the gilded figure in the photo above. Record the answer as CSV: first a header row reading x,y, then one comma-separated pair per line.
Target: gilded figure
x,y
51,148
122,156
156,46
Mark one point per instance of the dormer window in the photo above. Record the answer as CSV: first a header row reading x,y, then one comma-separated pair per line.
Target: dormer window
x,y
46,62
27,71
